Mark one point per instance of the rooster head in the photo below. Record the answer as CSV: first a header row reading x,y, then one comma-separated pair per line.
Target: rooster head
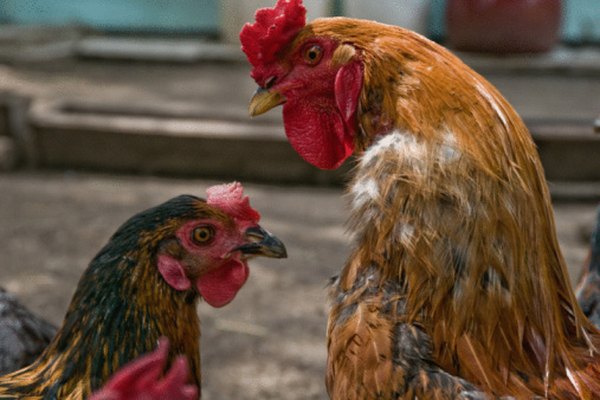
x,y
317,78
207,247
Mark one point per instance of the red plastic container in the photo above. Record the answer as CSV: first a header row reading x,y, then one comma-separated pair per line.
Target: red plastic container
x,y
503,26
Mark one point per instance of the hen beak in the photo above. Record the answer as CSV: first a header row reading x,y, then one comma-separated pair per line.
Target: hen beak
x,y
264,100
262,244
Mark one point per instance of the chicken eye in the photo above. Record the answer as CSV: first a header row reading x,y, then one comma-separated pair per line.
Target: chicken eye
x,y
203,234
313,54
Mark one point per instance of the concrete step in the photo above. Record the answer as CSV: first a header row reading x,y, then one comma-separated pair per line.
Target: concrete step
x,y
216,142
561,60
37,44
157,50
569,149
202,142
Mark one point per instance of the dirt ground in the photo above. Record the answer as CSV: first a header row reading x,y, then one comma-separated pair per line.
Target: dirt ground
x,y
269,343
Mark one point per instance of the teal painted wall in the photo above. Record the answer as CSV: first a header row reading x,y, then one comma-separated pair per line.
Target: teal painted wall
x,y
127,15
581,21
581,18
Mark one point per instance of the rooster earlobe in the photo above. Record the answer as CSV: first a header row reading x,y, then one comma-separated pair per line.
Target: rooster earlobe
x,y
172,271
348,85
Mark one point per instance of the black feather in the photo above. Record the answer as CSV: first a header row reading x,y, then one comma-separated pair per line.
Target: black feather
x,y
23,335
121,307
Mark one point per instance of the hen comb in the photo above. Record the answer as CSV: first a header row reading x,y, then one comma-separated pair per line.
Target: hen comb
x,y
230,199
273,29
140,379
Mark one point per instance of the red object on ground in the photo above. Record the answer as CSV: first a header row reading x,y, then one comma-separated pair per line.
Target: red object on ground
x,y
503,26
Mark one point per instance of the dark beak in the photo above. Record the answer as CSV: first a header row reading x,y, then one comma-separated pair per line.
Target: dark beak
x,y
262,244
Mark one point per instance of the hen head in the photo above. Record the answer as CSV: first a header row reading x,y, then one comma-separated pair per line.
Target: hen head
x,y
204,245
318,77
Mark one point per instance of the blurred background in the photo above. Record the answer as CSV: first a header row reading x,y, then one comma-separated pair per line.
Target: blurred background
x,y
108,107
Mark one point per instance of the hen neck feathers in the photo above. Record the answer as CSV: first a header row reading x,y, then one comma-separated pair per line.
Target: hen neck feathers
x,y
120,309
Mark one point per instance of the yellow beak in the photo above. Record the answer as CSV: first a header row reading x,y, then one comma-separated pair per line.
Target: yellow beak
x,y
264,100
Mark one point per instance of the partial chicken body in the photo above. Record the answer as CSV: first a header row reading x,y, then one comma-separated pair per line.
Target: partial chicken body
x,y
456,287
23,335
588,289
143,285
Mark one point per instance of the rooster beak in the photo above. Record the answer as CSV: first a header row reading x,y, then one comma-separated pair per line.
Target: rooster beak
x,y
262,244
264,100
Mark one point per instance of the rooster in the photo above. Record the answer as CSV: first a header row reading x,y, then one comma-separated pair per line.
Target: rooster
x,y
588,289
140,379
144,284
456,287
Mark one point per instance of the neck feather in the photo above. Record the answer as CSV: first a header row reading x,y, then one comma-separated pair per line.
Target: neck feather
x,y
475,253
119,311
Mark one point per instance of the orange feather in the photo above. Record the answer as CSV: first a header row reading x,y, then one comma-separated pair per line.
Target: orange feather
x,y
456,271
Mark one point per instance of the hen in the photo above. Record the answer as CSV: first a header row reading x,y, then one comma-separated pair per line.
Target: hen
x,y
588,289
144,284
23,335
456,287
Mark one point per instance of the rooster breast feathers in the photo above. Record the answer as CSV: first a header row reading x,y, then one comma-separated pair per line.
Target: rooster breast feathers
x,y
449,200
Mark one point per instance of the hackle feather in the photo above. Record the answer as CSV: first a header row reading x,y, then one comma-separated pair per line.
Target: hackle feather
x,y
450,202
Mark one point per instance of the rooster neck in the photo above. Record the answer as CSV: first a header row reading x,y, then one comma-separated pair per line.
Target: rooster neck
x,y
120,309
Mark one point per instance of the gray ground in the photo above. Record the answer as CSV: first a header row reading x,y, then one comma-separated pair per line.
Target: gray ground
x,y
267,344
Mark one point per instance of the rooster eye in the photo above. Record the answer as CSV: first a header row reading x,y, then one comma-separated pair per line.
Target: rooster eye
x,y
203,234
313,54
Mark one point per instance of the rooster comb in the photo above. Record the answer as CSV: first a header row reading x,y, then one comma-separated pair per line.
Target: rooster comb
x,y
273,29
230,199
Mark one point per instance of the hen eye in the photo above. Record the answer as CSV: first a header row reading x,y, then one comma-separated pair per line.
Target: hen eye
x,y
203,234
313,54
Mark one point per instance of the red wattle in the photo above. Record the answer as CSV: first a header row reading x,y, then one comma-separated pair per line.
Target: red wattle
x,y
219,287
322,128
318,134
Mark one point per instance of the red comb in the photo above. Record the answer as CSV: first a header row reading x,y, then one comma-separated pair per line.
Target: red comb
x,y
273,29
230,199
140,379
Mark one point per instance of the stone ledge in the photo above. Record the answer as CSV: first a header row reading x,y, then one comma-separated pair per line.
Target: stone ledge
x,y
569,149
575,191
157,50
205,144
562,59
207,141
